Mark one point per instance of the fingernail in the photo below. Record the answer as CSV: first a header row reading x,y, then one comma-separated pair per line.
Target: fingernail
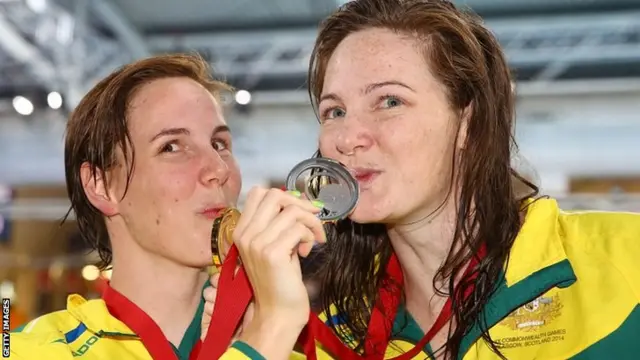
x,y
295,193
318,204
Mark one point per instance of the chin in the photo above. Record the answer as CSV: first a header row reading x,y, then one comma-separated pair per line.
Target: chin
x,y
204,261
367,216
196,258
370,210
198,263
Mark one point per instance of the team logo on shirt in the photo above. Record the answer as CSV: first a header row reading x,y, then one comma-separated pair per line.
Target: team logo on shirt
x,y
534,314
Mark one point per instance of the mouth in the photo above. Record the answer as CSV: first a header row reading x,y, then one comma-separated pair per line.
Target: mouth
x,y
365,176
212,212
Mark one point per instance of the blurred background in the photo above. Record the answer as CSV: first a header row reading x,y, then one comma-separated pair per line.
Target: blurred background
x,y
577,65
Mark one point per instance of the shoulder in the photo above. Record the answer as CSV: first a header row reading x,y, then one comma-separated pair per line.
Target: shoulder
x,y
52,333
58,322
601,231
588,240
611,237
44,337
55,322
606,231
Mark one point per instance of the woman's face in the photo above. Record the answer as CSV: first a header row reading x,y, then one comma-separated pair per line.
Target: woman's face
x,y
385,116
184,171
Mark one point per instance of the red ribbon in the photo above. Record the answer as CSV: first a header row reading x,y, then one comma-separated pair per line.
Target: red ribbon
x,y
234,299
142,325
234,295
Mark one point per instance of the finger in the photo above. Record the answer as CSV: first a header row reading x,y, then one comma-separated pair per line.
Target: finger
x,y
248,315
286,245
258,200
208,308
284,221
246,319
214,279
254,198
304,248
272,204
257,195
209,294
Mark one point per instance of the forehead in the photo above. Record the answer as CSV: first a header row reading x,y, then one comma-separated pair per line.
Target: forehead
x,y
173,102
375,54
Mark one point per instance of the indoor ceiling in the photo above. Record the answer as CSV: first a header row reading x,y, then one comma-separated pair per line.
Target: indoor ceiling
x,y
66,45
206,15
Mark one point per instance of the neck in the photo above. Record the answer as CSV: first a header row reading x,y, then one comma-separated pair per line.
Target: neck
x,y
168,292
422,247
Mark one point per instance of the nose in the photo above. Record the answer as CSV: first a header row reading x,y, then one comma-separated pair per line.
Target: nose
x,y
214,170
353,136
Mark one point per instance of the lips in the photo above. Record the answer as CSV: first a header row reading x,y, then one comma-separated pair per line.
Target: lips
x,y
212,213
365,176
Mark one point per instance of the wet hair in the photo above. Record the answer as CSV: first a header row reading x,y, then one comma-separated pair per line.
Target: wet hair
x,y
467,59
98,127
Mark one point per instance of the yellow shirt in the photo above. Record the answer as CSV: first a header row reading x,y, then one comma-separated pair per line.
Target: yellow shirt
x,y
86,329
571,290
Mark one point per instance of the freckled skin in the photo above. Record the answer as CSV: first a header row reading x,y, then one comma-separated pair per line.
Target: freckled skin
x,y
408,135
176,176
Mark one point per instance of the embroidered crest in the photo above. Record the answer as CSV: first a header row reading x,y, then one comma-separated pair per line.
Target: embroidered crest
x,y
532,315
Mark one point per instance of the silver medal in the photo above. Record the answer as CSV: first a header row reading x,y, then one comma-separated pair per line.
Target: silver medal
x,y
328,181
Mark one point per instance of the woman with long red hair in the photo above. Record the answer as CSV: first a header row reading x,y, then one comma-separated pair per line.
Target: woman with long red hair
x,y
442,258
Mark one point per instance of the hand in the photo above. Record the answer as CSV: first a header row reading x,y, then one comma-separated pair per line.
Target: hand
x,y
275,228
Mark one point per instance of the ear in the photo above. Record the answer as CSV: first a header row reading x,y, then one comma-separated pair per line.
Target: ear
x,y
95,187
461,141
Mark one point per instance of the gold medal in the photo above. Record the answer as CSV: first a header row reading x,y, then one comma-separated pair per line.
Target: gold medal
x,y
222,233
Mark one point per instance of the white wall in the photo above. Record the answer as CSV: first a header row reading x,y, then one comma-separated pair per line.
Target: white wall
x,y
31,152
585,109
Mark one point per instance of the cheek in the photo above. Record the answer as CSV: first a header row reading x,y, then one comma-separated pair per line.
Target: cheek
x,y
326,142
234,183
425,155
176,186
409,146
164,187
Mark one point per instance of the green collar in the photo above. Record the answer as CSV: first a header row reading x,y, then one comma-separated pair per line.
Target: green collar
x,y
537,264
507,299
406,328
504,301
192,335
96,317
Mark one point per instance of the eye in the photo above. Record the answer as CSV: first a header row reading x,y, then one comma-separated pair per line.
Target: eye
x,y
334,112
170,147
390,101
220,145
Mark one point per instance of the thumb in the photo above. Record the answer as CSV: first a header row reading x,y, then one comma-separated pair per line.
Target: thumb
x,y
214,279
209,296
246,320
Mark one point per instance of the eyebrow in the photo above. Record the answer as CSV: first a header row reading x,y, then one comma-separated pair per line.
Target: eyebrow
x,y
378,85
185,131
369,89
